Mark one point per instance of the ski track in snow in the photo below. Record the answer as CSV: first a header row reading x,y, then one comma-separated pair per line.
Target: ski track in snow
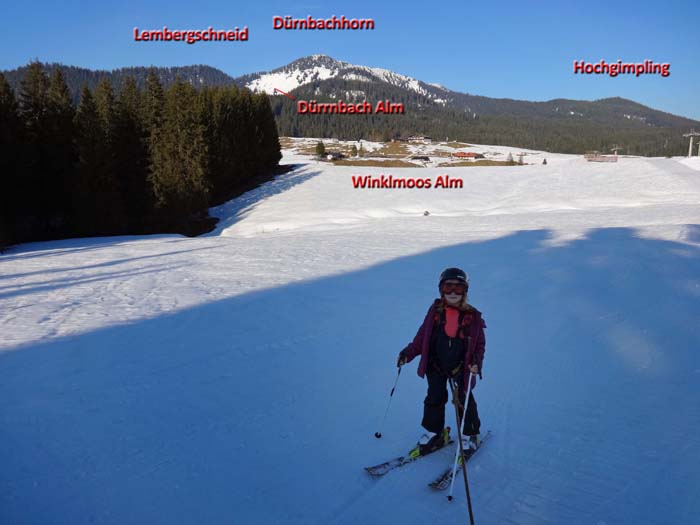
x,y
239,377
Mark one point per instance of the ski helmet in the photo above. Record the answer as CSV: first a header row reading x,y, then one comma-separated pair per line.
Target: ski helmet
x,y
454,273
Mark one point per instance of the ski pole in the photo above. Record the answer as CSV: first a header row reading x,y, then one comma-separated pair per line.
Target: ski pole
x,y
460,449
460,426
381,427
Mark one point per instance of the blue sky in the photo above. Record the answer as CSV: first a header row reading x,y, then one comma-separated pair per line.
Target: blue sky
x,y
522,50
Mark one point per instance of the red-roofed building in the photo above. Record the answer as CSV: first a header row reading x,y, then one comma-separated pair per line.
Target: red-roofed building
x,y
467,155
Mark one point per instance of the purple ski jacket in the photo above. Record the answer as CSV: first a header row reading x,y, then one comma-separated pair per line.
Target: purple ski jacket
x,y
476,341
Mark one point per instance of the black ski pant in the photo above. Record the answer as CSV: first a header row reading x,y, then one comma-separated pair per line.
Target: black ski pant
x,y
435,401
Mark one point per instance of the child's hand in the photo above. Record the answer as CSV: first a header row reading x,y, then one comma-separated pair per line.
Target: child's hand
x,y
401,360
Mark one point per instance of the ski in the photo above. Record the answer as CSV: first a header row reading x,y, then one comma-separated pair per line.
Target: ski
x,y
417,452
443,480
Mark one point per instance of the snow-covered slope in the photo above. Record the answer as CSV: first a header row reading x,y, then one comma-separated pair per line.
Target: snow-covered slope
x,y
322,67
239,377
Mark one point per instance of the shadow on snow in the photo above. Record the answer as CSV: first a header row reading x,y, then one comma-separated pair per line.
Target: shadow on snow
x,y
236,410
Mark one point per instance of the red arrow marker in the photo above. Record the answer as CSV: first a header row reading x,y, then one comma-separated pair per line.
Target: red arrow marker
x,y
285,94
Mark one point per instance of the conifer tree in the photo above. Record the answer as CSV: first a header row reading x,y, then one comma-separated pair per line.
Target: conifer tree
x,y
212,116
320,149
130,143
153,102
221,118
62,153
34,190
244,136
46,112
112,218
9,173
231,141
268,143
89,179
106,105
179,156
97,202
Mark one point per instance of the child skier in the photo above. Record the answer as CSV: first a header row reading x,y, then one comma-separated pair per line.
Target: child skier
x,y
451,344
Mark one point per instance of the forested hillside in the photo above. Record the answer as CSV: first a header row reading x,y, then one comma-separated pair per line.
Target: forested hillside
x,y
77,77
559,125
563,126
140,161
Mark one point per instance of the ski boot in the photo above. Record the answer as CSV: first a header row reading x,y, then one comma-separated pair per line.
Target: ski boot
x,y
469,446
431,441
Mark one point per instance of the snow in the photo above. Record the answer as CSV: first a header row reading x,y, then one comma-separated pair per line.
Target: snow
x,y
355,76
288,78
239,377
396,79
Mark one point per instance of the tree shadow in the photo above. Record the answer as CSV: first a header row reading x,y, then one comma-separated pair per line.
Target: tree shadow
x,y
236,410
114,262
50,286
31,250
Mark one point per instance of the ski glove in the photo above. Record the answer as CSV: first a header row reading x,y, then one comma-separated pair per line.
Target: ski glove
x,y
402,360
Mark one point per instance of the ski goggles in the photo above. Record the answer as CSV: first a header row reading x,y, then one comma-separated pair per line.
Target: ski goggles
x,y
458,288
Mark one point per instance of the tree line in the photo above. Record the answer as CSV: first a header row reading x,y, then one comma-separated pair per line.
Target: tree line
x,y
513,123
133,162
77,77
567,126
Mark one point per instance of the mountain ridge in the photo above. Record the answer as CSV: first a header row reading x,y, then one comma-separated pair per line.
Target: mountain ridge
x,y
322,67
201,74
291,77
565,125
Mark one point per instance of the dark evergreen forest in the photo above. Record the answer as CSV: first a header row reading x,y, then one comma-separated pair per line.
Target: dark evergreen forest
x,y
560,125
141,160
139,150
78,77
551,126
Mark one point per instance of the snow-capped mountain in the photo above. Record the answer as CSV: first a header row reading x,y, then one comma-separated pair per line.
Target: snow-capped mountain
x,y
321,67
431,109
316,69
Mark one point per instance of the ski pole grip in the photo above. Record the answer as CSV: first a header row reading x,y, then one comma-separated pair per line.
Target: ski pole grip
x,y
471,365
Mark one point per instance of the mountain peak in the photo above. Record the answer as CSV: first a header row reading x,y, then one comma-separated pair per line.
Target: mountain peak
x,y
319,59
318,67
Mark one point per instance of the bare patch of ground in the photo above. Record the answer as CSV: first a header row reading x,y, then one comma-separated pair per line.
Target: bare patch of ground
x,y
477,163
395,163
